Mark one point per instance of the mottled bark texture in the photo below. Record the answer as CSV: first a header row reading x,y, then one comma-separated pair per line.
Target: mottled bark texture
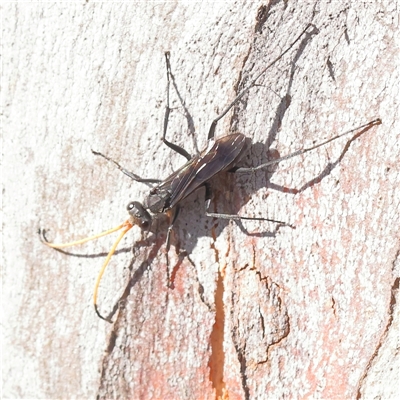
x,y
253,312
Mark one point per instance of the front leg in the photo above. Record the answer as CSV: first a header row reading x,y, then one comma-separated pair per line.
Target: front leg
x,y
126,172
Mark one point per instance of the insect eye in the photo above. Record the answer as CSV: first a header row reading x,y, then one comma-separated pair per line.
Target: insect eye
x,y
139,215
145,224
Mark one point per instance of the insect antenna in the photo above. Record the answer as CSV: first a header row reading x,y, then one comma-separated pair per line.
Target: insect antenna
x,y
81,241
126,226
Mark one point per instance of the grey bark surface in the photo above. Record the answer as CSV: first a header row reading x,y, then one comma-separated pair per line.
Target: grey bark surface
x,y
254,311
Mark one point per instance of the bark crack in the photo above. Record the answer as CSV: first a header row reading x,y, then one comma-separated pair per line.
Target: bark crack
x,y
391,310
216,362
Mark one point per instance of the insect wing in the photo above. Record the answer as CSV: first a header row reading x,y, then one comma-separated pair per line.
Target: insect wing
x,y
220,155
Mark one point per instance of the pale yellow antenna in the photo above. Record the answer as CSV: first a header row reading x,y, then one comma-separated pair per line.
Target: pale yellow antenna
x,y
81,241
126,226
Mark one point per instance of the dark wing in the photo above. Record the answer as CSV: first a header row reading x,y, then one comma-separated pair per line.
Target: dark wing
x,y
219,155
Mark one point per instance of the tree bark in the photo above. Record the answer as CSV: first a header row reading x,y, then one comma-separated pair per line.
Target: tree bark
x,y
254,310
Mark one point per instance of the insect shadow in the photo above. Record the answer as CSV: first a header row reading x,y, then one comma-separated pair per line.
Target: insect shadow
x,y
217,163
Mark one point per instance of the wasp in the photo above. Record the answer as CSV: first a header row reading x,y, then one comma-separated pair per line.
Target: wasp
x,y
221,154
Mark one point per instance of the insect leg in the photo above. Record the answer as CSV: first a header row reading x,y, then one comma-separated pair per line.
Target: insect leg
x,y
126,172
173,146
171,226
211,132
236,217
363,128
